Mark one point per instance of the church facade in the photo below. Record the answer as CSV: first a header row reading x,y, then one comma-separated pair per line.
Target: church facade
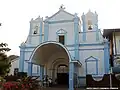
x,y
65,48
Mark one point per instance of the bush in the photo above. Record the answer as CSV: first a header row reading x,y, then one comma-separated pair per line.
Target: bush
x,y
26,83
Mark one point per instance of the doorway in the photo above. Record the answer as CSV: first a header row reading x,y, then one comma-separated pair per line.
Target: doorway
x,y
62,78
62,74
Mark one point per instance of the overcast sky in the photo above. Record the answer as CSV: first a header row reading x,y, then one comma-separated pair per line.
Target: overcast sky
x,y
16,14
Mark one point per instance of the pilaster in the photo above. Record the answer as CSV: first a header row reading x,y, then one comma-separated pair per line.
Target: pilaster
x,y
71,76
30,32
46,31
30,65
76,38
41,26
96,26
106,56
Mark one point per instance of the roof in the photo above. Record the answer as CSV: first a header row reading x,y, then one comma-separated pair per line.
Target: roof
x,y
61,9
107,32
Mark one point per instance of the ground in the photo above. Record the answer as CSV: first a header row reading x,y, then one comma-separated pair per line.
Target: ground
x,y
60,87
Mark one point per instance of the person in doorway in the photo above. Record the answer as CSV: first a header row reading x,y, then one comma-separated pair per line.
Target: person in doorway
x,y
50,82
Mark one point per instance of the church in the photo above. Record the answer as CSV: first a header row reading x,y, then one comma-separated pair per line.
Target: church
x,y
66,48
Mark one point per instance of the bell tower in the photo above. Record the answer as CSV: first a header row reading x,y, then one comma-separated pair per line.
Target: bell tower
x,y
89,24
35,36
90,21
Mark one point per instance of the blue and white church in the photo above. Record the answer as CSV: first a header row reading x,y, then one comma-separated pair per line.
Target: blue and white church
x,y
66,48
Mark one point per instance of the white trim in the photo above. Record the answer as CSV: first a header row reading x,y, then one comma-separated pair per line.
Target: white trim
x,y
76,61
50,42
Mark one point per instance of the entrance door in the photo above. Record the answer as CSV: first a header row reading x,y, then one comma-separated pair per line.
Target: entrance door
x,y
62,78
62,74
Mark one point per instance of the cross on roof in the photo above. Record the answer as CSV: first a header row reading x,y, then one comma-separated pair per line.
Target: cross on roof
x,y
62,7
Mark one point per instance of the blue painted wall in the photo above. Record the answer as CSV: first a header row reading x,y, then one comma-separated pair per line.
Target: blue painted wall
x,y
76,34
46,31
41,32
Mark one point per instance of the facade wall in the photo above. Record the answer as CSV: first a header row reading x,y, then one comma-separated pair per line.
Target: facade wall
x,y
89,46
91,37
67,27
91,56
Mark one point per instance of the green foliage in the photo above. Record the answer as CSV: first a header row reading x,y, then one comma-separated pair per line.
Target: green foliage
x,y
4,60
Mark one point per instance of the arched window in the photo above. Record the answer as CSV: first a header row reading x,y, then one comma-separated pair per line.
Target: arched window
x,y
61,36
62,68
90,26
91,65
35,30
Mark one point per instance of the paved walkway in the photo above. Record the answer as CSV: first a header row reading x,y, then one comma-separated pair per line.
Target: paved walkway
x,y
60,88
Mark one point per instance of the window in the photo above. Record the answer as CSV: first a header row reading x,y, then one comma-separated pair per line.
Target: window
x,y
36,30
62,69
91,65
61,36
90,25
62,39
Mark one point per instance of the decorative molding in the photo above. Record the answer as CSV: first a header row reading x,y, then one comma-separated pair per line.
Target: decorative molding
x,y
60,21
91,59
71,45
87,49
58,13
89,31
50,42
62,32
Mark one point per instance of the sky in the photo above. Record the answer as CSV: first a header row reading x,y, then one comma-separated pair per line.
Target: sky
x,y
16,14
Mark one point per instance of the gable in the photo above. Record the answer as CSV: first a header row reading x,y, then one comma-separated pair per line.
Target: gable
x,y
61,31
60,15
91,58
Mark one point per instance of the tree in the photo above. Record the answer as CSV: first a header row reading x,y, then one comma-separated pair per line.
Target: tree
x,y
12,57
4,60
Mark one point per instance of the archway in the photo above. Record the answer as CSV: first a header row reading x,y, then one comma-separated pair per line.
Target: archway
x,y
48,55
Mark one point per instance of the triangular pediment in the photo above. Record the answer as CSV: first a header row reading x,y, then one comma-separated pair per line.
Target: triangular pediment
x,y
91,58
60,15
61,31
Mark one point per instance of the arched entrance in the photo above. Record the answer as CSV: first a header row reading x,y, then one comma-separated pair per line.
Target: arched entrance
x,y
62,74
54,58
